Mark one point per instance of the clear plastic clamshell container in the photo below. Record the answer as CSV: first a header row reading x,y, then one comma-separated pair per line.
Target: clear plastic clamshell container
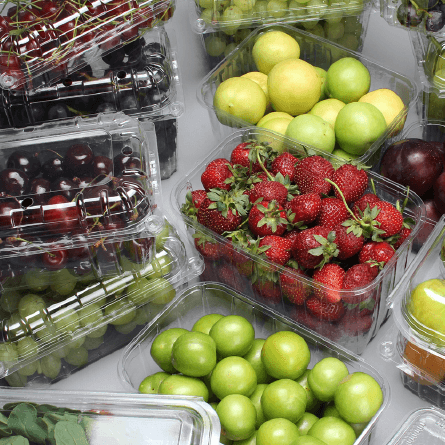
x,y
415,343
424,425
320,53
141,79
208,16
208,297
113,418
262,280
350,33
44,41
82,253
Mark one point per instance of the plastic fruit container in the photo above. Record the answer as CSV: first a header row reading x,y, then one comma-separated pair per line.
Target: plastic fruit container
x,y
209,16
316,51
423,425
45,41
352,332
71,241
119,418
210,297
141,79
352,34
402,14
414,347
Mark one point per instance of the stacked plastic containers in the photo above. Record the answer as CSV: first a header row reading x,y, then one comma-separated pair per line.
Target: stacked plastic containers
x,y
208,297
261,280
415,343
87,255
112,57
318,52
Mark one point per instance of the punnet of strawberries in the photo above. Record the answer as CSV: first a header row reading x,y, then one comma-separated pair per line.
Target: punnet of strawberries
x,y
297,233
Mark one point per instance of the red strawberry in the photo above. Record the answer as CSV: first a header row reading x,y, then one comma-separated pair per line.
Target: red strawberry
x,y
247,153
351,180
366,199
379,252
240,154
193,200
403,235
332,212
285,164
330,275
390,219
209,273
207,246
279,248
291,234
314,247
352,324
268,190
311,173
267,218
198,196
295,285
357,276
347,242
221,211
305,208
268,289
230,276
325,310
216,174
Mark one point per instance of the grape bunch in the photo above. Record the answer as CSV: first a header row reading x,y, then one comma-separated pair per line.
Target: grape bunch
x,y
431,14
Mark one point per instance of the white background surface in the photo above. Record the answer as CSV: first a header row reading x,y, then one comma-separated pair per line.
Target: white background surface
x,y
387,45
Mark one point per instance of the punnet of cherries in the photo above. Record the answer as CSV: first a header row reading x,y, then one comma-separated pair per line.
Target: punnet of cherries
x,y
299,230
42,36
62,207
430,14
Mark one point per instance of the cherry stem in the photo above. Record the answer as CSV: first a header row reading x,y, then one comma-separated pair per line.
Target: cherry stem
x,y
14,238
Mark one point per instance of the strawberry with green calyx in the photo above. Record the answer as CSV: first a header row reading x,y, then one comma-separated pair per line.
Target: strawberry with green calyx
x,y
332,212
279,249
193,200
285,164
356,277
328,281
352,180
252,154
268,191
245,249
324,310
367,200
222,210
311,174
266,285
347,242
304,209
294,283
314,247
377,253
267,218
207,246
217,175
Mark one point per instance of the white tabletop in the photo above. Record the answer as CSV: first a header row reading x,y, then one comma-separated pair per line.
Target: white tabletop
x,y
387,45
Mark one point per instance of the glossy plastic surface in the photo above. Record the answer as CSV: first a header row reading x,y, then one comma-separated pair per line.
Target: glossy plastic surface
x,y
209,297
318,52
376,292
129,419
44,41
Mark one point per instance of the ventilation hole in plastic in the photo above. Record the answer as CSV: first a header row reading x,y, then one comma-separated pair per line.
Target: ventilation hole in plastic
x,y
27,202
121,74
67,82
127,151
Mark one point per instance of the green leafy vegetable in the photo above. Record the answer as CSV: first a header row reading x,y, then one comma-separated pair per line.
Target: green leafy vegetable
x,y
69,433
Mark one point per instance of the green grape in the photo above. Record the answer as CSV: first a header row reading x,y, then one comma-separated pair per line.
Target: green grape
x,y
243,33
61,352
231,19
15,327
229,48
220,5
93,294
215,45
162,236
93,343
63,282
51,366
29,369
129,266
316,8
77,357
90,315
66,320
9,300
296,9
334,31
77,343
277,8
99,332
16,380
37,280
143,315
206,4
27,347
244,5
8,352
120,311
164,292
349,41
31,306
317,30
260,9
86,278
125,329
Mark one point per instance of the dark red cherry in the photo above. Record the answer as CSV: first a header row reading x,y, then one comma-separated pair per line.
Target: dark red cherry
x,y
52,168
61,215
55,259
13,181
11,213
38,188
102,166
139,250
80,252
124,161
78,160
83,182
27,162
65,186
